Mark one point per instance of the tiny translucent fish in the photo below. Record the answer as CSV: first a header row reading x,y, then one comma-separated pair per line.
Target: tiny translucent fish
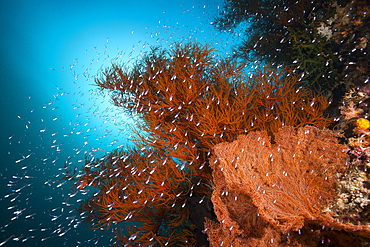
x,y
183,205
313,102
201,200
29,216
6,240
17,161
133,236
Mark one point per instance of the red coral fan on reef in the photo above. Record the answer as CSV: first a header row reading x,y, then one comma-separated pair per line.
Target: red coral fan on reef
x,y
275,193
186,101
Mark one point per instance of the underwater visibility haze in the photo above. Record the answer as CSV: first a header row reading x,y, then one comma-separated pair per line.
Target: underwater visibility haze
x,y
185,123
50,109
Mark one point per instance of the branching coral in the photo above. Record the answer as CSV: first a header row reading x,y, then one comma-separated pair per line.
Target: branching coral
x,y
351,35
187,102
190,102
352,204
323,41
353,197
312,56
131,188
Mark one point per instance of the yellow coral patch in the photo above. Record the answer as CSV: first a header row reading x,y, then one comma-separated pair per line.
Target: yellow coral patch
x,y
363,123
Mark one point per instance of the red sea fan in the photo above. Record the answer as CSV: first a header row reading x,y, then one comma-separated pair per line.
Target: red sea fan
x,y
186,101
277,193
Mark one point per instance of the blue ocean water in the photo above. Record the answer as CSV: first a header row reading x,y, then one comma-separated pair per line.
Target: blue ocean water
x,y
51,52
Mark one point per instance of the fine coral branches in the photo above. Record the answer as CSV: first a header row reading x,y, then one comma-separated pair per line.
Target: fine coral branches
x,y
186,102
285,185
208,102
278,101
130,188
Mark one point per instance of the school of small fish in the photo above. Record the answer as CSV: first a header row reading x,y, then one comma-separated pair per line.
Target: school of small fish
x,y
76,122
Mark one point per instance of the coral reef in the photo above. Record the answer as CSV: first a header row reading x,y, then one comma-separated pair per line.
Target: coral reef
x,y
353,200
312,57
186,102
276,192
352,203
239,151
128,187
324,41
349,24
